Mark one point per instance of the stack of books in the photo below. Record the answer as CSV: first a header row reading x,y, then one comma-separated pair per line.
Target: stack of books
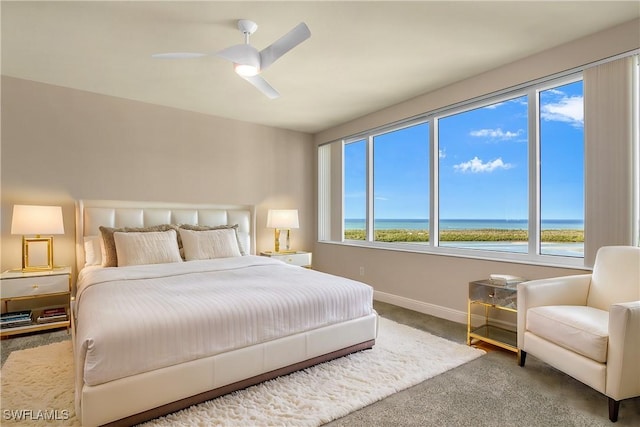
x,y
50,315
15,319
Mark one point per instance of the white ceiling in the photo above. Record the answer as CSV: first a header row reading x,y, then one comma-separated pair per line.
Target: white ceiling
x,y
362,56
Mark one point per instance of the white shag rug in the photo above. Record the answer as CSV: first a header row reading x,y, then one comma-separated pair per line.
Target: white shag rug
x,y
38,383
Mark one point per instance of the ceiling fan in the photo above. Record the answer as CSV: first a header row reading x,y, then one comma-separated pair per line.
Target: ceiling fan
x,y
248,63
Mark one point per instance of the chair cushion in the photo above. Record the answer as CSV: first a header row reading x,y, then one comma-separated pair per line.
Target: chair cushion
x,y
582,329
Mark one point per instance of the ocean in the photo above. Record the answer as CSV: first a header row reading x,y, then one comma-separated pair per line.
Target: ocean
x,y
464,224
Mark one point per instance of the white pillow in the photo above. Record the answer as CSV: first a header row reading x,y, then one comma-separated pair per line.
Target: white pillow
x,y
152,247
92,250
209,244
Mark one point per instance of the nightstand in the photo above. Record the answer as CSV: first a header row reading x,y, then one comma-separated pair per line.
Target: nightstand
x,y
16,285
492,299
300,258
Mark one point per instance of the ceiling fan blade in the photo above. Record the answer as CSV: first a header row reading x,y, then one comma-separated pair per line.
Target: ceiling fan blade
x,y
284,44
263,86
243,54
178,55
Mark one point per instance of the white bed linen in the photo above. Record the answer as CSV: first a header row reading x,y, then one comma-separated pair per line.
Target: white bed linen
x,y
140,318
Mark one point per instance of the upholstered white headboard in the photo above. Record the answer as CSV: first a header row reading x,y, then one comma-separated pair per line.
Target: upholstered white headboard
x,y
91,214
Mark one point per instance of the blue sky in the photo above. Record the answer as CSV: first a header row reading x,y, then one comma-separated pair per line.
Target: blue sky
x,y
483,161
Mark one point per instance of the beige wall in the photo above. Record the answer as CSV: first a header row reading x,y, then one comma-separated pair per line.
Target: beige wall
x,y
60,145
433,284
438,284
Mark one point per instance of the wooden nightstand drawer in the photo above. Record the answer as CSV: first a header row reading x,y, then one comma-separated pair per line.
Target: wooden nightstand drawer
x,y
31,286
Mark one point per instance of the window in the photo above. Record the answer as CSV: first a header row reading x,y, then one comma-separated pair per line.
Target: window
x,y
401,185
355,190
561,140
501,175
483,177
521,175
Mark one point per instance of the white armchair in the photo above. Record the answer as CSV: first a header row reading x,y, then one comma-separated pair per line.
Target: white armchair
x,y
588,325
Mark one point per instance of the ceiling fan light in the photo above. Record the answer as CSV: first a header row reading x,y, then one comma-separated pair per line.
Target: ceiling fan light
x,y
246,70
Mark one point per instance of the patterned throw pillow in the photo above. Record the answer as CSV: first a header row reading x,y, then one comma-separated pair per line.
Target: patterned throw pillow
x,y
209,244
109,253
216,227
139,248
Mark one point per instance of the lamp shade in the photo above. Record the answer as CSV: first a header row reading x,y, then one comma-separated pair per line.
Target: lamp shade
x,y
282,218
29,219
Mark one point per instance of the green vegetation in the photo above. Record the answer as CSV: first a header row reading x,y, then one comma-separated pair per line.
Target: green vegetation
x,y
482,235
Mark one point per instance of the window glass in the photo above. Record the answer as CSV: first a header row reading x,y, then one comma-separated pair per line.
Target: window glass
x,y
483,178
562,170
490,191
401,185
355,190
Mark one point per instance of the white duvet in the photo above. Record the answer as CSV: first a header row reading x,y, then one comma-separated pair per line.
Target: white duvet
x,y
140,318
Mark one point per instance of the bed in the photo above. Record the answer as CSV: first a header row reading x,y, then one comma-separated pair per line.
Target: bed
x,y
155,331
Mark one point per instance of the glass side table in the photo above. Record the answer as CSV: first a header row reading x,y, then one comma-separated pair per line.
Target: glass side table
x,y
494,306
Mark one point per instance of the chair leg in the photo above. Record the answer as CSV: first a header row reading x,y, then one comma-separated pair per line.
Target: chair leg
x,y
614,407
522,355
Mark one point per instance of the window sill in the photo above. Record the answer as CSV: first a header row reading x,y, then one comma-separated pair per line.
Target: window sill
x,y
518,258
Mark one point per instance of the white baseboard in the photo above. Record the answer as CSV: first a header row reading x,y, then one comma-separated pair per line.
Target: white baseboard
x,y
422,307
437,310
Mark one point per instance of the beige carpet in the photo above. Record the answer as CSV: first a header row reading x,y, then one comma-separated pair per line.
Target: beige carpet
x,y
37,384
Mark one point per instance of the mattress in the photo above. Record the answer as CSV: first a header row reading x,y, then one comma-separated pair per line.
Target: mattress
x,y
141,318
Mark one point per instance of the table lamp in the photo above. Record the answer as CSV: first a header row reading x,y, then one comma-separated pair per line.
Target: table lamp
x,y
29,220
282,219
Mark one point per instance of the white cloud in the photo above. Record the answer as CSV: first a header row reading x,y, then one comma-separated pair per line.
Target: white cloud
x,y
567,109
476,165
555,92
522,100
495,133
442,154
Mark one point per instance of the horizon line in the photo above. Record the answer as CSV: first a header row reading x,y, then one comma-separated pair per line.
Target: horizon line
x,y
463,219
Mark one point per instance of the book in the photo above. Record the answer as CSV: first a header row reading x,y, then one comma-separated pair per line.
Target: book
x,y
505,279
16,323
55,311
51,319
14,319
13,315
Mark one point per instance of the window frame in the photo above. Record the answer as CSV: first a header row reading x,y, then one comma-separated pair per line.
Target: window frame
x,y
533,256
471,106
535,191
368,138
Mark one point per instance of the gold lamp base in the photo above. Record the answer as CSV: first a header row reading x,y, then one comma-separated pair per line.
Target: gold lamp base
x,y
287,248
37,253
277,240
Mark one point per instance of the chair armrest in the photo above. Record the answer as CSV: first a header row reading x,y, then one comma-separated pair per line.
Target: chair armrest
x,y
566,290
623,354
